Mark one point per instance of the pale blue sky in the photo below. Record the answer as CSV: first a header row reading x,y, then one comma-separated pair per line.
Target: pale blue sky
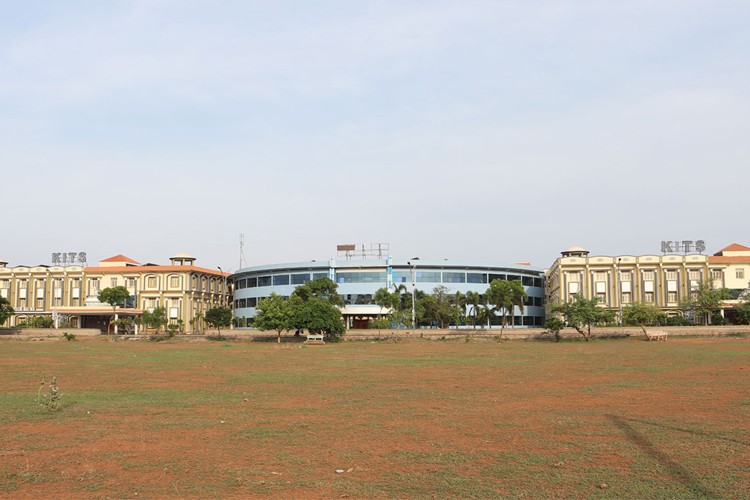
x,y
489,131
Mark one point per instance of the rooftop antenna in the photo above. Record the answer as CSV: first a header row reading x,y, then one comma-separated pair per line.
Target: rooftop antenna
x,y
243,262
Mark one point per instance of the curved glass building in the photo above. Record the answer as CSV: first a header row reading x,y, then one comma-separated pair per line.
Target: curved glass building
x,y
358,280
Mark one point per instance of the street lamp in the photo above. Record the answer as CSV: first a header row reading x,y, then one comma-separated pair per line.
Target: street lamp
x,y
413,266
619,292
223,287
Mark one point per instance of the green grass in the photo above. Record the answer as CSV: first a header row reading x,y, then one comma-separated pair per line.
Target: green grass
x,y
415,418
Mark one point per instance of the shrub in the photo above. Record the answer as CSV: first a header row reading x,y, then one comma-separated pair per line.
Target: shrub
x,y
718,319
678,321
52,399
69,336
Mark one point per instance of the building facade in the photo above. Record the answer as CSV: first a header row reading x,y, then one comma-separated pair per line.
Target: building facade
x,y
358,280
69,294
660,280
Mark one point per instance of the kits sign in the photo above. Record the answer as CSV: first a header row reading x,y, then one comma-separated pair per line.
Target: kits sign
x,y
68,258
685,247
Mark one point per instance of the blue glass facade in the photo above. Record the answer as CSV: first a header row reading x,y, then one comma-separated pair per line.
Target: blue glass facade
x,y
359,280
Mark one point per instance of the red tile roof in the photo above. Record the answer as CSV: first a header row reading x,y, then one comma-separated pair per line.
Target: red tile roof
x,y
131,269
734,247
120,258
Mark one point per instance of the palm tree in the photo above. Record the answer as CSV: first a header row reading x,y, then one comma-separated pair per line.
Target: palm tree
x,y
517,298
500,294
461,301
486,313
474,299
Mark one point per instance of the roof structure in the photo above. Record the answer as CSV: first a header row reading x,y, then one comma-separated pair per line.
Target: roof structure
x,y
120,259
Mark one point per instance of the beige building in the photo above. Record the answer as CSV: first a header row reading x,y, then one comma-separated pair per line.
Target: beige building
x,y
660,280
68,294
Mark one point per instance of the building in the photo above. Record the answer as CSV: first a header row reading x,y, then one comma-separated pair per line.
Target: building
x,y
69,294
661,280
358,280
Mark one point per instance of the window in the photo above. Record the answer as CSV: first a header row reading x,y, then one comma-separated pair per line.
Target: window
x,y
281,279
476,278
527,281
601,297
360,277
494,277
694,274
671,297
428,276
648,297
94,286
114,282
740,273
300,279
626,298
130,282
151,282
600,276
671,275
174,282
715,274
252,282
625,276
319,275
454,277
649,276
402,276
264,281
239,284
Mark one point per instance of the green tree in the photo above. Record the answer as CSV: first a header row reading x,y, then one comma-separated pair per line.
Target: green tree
x,y
473,299
438,308
114,296
581,313
219,317
155,319
317,315
641,314
387,300
6,311
486,314
273,314
704,301
554,325
506,296
742,310
321,288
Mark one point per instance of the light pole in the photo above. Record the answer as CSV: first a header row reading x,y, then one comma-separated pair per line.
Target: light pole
x,y
413,266
619,293
223,288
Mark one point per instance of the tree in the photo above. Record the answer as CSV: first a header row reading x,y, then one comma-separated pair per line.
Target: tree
x,y
322,288
742,310
317,315
473,299
505,296
486,314
704,301
273,314
387,300
155,319
438,308
642,314
554,325
218,317
6,311
315,307
581,313
114,296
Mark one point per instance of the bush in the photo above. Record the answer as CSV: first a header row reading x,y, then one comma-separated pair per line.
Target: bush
x,y
718,319
678,321
69,336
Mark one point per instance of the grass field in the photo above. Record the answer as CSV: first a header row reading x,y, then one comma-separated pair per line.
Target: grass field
x,y
611,419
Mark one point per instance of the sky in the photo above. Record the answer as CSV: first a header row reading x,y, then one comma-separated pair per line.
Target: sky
x,y
481,131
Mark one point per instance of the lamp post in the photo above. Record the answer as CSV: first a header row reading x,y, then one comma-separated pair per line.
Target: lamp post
x,y
413,266
223,287
619,292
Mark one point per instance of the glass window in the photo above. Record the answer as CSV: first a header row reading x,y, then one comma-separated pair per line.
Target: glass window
x,y
252,282
402,276
300,279
264,281
454,277
527,281
281,279
428,276
239,284
319,275
360,277
252,302
476,278
494,277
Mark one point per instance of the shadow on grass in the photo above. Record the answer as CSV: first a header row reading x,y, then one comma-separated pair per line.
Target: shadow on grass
x,y
672,468
711,435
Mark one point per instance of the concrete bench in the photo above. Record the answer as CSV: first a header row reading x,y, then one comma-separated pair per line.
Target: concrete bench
x,y
656,335
315,338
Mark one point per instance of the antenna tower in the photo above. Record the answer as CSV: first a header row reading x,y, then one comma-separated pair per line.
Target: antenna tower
x,y
243,262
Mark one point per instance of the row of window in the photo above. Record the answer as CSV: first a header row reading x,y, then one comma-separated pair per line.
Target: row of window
x,y
380,277
364,299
